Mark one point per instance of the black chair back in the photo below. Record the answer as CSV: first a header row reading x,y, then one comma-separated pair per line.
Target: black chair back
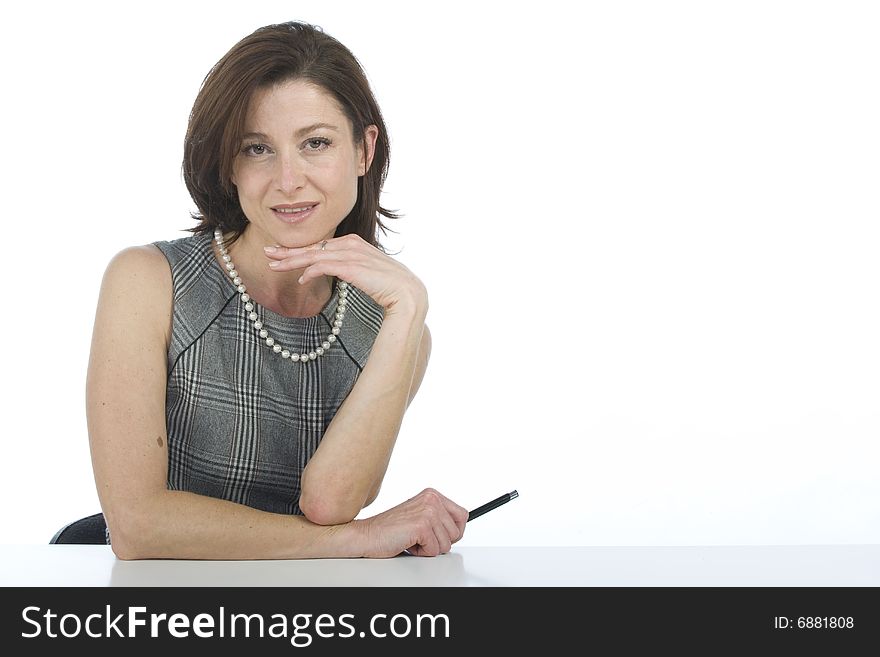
x,y
91,530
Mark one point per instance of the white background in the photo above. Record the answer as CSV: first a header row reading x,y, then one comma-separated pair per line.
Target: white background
x,y
649,231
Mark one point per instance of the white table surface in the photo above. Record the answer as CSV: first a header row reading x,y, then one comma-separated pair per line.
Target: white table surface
x,y
784,565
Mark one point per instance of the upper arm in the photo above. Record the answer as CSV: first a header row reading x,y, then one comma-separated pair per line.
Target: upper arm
x,y
125,385
421,363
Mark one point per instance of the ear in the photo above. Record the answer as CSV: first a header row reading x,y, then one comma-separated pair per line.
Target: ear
x,y
371,134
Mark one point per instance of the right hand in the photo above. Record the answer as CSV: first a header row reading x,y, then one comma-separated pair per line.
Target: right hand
x,y
425,526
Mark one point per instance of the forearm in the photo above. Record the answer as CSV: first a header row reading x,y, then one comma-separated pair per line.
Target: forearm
x,y
350,463
182,525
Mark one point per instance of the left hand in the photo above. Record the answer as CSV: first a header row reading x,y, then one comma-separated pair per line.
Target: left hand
x,y
351,259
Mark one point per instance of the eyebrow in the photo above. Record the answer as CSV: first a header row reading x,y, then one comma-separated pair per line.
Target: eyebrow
x,y
299,133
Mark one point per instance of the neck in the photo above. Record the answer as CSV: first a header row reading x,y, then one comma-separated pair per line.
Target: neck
x,y
280,292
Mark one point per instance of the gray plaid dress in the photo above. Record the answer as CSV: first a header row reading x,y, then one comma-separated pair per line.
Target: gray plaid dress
x,y
242,421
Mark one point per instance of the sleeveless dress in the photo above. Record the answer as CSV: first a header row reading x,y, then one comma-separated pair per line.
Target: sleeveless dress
x,y
242,421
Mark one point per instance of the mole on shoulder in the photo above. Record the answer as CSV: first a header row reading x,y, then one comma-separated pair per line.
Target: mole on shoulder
x,y
159,441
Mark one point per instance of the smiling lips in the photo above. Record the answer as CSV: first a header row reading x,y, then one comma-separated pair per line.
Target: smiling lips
x,y
294,212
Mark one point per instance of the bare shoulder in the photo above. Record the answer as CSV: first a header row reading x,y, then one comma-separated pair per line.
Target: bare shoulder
x,y
144,263
137,283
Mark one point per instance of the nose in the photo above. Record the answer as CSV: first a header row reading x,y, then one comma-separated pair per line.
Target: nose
x,y
290,174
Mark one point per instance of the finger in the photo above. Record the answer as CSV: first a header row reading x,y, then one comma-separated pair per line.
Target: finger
x,y
445,524
429,543
342,270
458,514
350,242
447,533
280,252
308,258
442,524
456,529
441,543
300,260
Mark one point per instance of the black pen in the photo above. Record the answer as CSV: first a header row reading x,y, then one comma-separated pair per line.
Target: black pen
x,y
494,504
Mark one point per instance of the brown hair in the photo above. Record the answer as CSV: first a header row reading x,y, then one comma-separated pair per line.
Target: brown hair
x,y
273,54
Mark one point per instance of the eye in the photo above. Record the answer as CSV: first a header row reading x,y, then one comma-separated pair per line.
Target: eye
x,y
317,144
255,150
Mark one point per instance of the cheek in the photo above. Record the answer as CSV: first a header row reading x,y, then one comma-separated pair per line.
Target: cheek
x,y
247,184
238,173
349,189
339,181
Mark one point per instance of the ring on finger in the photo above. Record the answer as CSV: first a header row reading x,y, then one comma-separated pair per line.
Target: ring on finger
x,y
323,245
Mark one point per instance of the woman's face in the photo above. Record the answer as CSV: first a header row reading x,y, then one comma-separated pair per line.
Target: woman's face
x,y
297,165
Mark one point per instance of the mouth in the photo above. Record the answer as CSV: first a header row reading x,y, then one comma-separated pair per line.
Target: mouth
x,y
294,213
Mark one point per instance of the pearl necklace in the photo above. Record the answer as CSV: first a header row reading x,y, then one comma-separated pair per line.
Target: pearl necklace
x,y
341,288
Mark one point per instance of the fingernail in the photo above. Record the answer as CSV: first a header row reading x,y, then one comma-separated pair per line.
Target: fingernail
x,y
274,264
269,249
300,279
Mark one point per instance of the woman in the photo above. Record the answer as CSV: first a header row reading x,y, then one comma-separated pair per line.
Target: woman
x,y
246,385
